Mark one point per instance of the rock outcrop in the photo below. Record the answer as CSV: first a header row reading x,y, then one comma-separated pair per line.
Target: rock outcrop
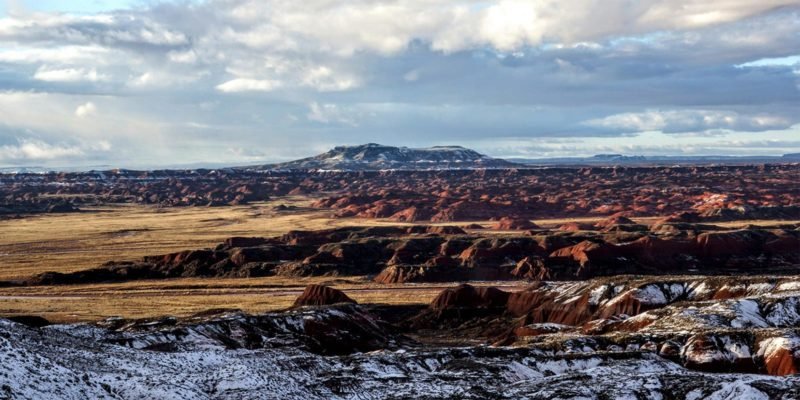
x,y
446,254
319,295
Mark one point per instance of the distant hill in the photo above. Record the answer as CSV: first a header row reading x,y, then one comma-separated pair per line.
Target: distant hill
x,y
374,156
620,159
616,158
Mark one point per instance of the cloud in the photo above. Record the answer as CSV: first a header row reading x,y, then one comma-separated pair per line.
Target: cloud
x,y
324,79
683,121
248,85
240,153
330,113
85,110
196,77
184,57
37,150
61,55
122,29
45,73
388,27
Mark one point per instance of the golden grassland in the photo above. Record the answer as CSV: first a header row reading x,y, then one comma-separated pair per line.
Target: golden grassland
x,y
75,241
183,297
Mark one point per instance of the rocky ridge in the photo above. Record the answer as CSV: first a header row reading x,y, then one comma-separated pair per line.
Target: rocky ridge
x,y
449,254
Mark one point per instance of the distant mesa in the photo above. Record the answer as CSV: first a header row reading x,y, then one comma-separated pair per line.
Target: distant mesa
x,y
617,157
373,156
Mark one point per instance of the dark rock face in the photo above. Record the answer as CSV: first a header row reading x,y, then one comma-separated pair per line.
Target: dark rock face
x,y
33,321
318,295
34,205
467,296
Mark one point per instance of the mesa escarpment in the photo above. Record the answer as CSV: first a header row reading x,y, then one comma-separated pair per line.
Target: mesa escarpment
x,y
393,254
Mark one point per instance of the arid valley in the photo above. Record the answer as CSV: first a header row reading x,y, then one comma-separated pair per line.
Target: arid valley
x,y
384,199
534,274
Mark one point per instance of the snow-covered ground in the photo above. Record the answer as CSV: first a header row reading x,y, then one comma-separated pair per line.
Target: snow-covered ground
x,y
83,362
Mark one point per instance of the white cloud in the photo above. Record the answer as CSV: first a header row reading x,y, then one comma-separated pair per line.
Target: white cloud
x,y
165,78
61,55
56,117
788,61
329,113
325,79
682,121
387,27
98,29
183,57
85,110
48,74
248,85
35,150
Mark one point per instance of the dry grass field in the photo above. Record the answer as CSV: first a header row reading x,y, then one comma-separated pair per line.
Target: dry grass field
x,y
182,297
75,241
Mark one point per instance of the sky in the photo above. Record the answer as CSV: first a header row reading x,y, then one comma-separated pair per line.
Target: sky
x,y
132,83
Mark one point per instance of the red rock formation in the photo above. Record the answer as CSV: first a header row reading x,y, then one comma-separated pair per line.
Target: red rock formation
x,y
532,268
468,296
717,244
539,305
780,355
717,353
318,295
445,230
575,227
514,224
410,214
615,219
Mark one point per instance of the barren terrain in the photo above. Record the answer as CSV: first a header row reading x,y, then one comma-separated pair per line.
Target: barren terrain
x,y
685,280
67,242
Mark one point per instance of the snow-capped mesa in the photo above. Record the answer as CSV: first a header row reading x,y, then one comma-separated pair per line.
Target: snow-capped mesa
x,y
374,156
